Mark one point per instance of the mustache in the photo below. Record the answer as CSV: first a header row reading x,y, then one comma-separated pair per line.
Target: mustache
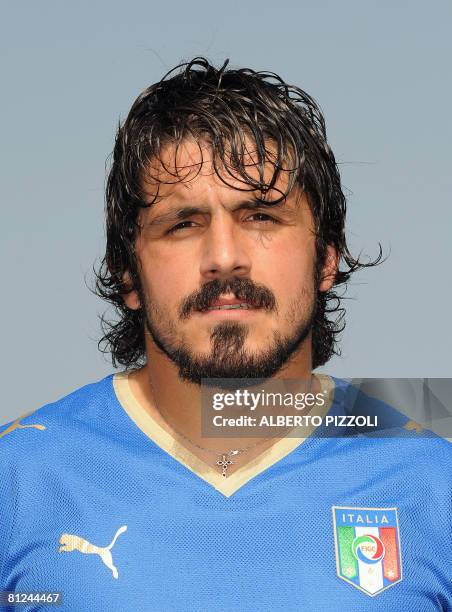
x,y
243,289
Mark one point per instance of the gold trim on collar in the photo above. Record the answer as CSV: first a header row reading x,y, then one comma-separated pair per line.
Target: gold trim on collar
x,y
231,484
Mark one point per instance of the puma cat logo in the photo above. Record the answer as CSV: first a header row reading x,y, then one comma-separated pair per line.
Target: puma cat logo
x,y
18,425
71,542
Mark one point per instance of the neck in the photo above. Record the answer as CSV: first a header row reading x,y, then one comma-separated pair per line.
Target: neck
x,y
176,404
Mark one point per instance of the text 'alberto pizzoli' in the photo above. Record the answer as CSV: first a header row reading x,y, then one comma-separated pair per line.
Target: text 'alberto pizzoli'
x,y
296,420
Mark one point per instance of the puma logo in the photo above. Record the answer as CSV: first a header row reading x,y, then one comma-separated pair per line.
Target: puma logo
x,y
18,425
71,542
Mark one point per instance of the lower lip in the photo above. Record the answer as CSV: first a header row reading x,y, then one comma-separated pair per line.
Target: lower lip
x,y
232,313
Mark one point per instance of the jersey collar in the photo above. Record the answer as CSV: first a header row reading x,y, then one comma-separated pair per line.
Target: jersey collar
x,y
229,485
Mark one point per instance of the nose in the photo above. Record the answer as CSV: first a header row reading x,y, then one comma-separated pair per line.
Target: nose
x,y
224,252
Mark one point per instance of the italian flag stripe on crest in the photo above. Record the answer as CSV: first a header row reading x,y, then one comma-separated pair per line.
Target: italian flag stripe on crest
x,y
367,547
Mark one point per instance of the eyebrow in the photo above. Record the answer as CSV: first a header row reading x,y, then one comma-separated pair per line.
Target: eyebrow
x,y
178,214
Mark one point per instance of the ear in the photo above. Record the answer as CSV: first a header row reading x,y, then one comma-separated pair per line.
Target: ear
x,y
131,299
329,269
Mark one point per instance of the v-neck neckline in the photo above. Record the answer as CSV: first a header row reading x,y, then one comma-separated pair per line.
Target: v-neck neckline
x,y
231,484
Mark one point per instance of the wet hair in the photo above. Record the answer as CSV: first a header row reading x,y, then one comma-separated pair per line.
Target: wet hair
x,y
226,108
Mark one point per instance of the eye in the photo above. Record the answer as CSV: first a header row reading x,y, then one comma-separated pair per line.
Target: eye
x,y
179,226
263,218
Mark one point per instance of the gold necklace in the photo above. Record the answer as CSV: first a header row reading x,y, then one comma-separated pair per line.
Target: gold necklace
x,y
223,459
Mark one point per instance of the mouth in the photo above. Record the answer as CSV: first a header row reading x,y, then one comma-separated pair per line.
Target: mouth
x,y
241,306
223,313
228,307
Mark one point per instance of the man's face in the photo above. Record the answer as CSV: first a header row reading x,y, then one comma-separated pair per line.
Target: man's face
x,y
227,285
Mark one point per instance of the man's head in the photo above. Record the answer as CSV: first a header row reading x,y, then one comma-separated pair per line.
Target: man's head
x,y
223,189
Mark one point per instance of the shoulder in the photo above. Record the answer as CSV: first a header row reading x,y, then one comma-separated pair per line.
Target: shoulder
x,y
402,456
35,442
398,442
388,418
36,432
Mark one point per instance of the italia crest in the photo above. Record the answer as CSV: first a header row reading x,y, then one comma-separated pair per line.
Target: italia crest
x,y
368,554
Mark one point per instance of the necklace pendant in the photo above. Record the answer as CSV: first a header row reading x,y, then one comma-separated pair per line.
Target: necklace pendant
x,y
224,462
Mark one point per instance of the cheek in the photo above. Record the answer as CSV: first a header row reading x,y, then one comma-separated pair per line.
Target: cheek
x,y
289,270
167,280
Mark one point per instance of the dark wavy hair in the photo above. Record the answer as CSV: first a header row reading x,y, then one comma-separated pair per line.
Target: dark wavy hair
x,y
225,108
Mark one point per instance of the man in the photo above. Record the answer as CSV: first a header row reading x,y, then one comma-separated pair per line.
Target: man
x,y
225,243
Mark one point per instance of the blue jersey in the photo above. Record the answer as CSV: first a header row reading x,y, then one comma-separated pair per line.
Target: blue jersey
x,y
102,505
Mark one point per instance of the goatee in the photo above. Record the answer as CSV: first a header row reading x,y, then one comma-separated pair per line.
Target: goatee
x,y
228,357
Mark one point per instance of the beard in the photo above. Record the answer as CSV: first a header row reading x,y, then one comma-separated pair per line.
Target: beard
x,y
228,357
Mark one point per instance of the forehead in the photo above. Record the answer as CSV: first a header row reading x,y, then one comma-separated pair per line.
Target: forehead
x,y
191,167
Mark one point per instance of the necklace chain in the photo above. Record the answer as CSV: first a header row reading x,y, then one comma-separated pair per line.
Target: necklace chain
x,y
224,460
